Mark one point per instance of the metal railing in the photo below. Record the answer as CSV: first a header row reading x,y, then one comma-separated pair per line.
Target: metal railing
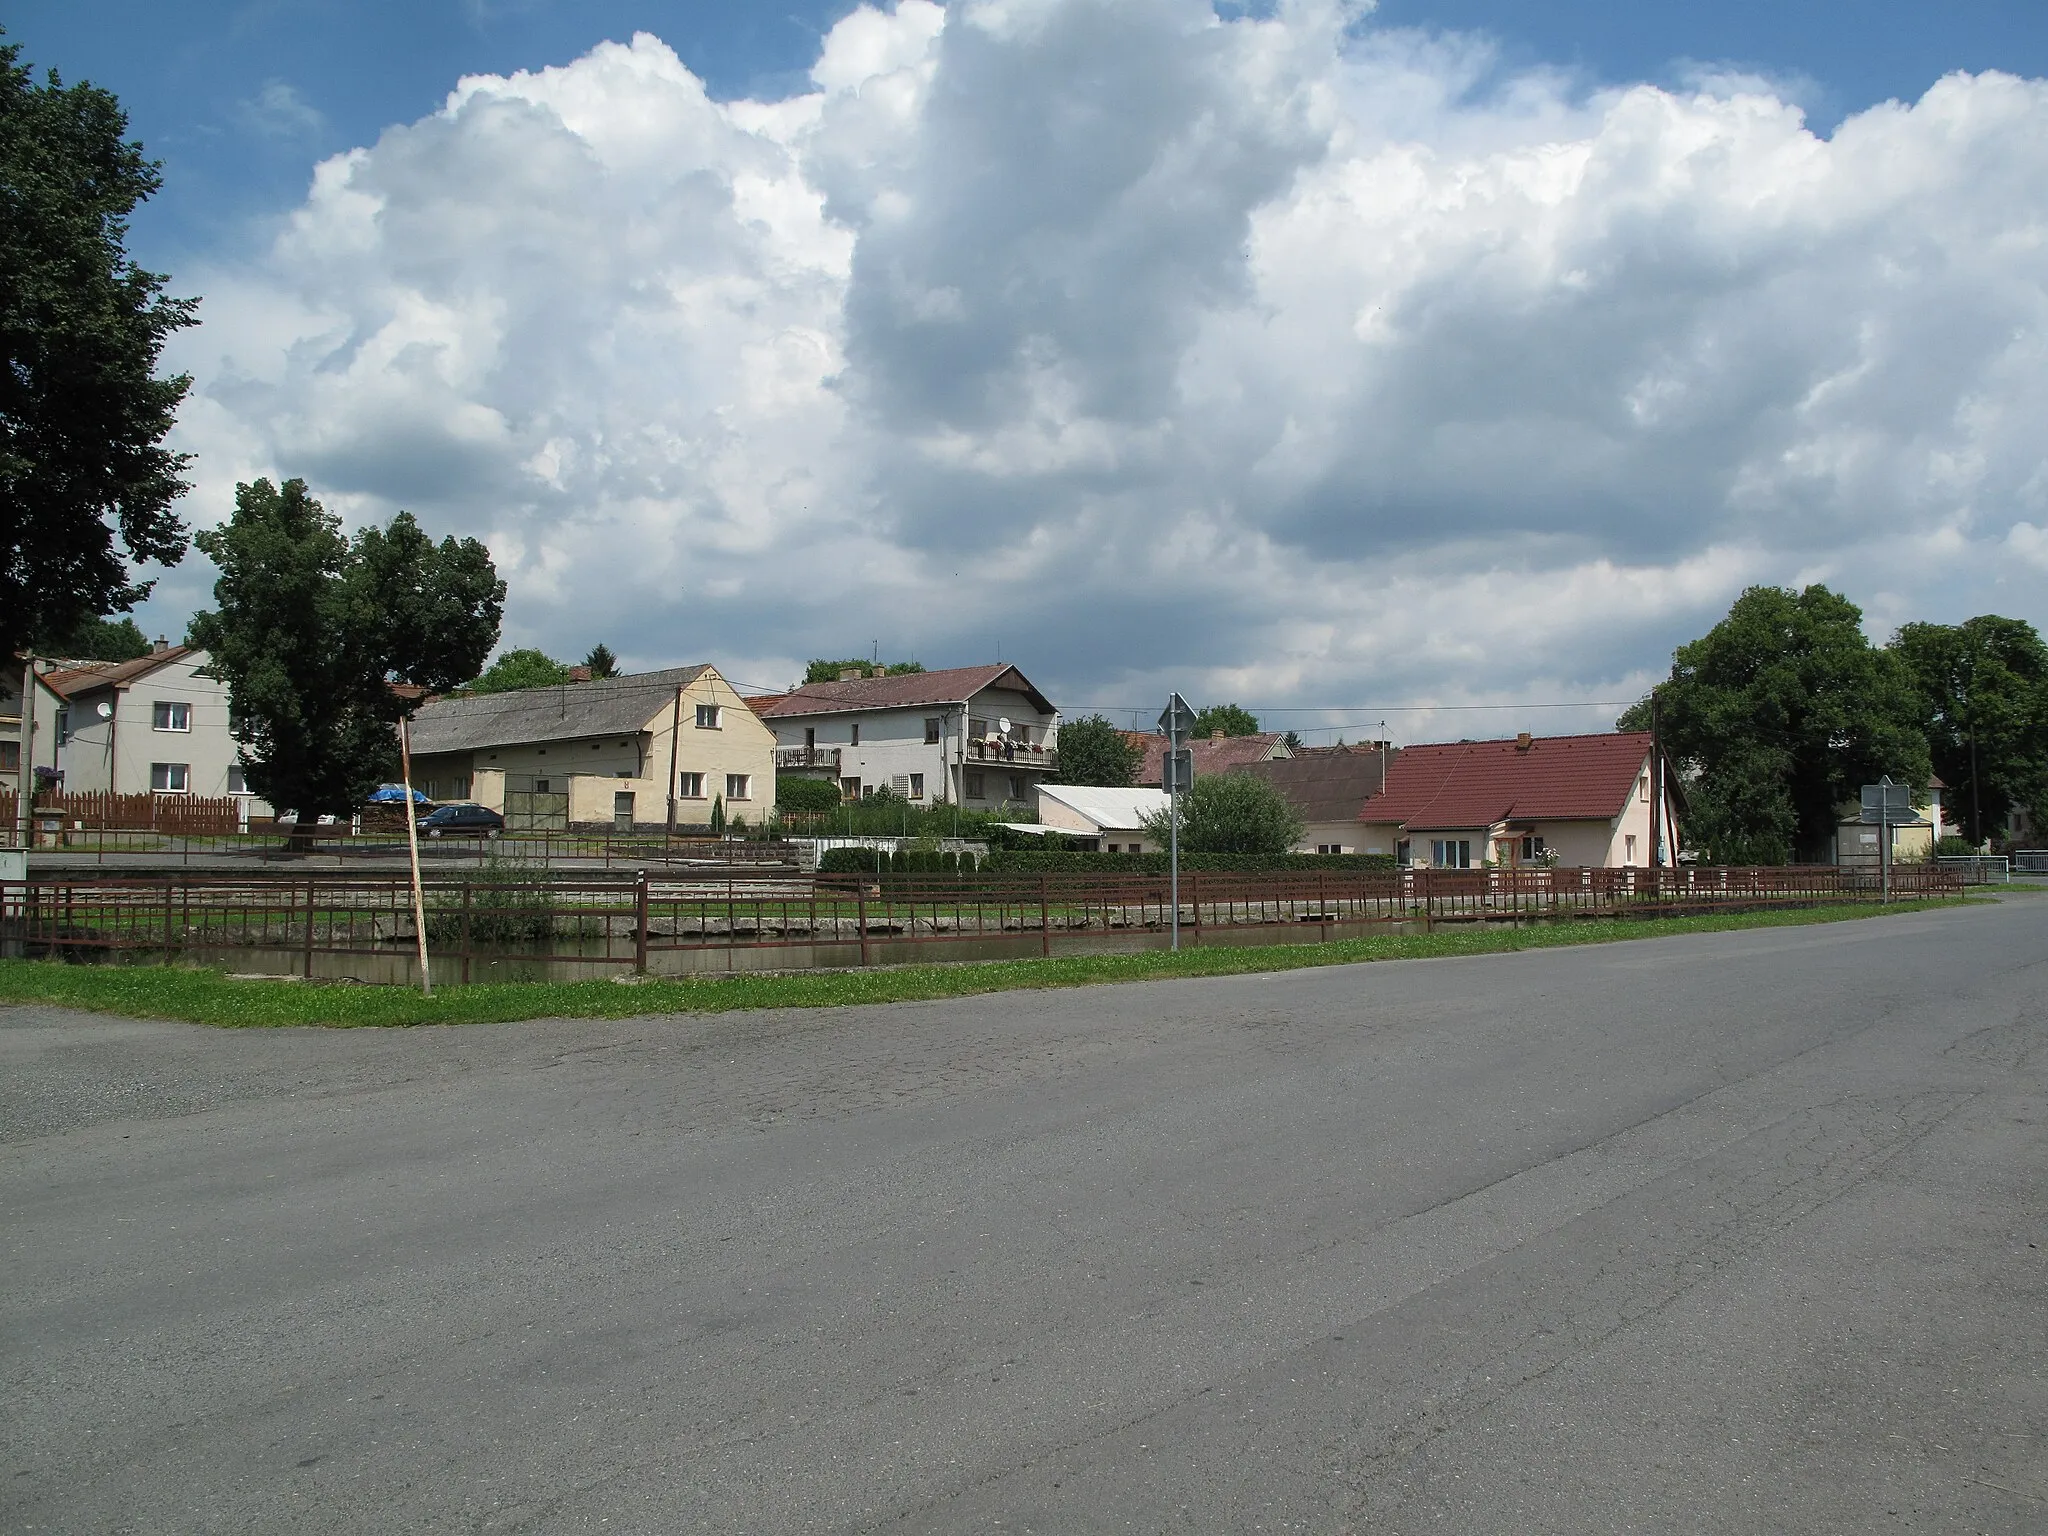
x,y
339,846
808,757
1978,868
311,922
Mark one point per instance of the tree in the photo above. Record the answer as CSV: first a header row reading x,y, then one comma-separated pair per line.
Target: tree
x,y
95,639
1230,813
823,671
1092,751
718,816
1230,719
794,793
1777,716
1983,695
1292,741
82,413
312,630
601,662
519,669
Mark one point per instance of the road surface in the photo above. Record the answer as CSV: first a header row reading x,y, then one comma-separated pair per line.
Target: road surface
x,y
1712,1233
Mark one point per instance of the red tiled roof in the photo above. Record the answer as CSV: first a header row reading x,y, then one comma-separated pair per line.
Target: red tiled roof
x,y
1455,785
1210,755
904,690
761,703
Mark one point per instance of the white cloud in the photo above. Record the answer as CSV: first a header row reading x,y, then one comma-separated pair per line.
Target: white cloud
x,y
280,111
1269,356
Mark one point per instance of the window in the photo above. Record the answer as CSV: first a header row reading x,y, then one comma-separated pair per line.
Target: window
x,y
739,786
1017,789
1630,855
917,786
708,717
1331,848
1401,851
977,786
810,738
10,756
170,778
239,785
931,731
1532,849
1451,852
976,726
856,735
540,786
63,725
690,786
173,717
849,789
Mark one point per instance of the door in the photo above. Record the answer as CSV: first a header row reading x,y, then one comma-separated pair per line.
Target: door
x,y
622,811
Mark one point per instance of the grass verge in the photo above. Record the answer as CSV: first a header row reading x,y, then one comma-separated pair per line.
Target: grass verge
x,y
207,997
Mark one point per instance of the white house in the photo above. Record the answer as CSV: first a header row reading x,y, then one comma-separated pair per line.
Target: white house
x,y
980,737
155,725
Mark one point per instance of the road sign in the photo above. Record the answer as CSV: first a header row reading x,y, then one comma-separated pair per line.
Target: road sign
x,y
1888,804
1180,771
1178,718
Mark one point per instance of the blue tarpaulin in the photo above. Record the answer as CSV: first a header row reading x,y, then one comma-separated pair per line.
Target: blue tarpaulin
x,y
394,794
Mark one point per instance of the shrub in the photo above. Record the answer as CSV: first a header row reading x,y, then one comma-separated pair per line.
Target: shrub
x,y
805,796
1231,813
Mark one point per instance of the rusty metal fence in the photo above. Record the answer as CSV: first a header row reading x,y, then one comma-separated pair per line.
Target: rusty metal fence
x,y
316,923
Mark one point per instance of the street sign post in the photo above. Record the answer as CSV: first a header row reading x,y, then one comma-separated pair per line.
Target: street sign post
x,y
1177,771
1886,805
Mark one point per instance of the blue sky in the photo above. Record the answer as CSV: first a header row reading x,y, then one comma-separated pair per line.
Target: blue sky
x,y
1456,353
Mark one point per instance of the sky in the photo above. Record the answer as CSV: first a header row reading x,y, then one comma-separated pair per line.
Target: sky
x,y
1447,362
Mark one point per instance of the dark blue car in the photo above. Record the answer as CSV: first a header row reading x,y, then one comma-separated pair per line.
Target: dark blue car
x,y
462,821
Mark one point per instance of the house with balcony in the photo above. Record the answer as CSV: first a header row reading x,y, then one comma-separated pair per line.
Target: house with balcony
x,y
981,737
646,750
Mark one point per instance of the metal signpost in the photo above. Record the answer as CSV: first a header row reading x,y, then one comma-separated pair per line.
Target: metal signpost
x,y
1886,805
1177,770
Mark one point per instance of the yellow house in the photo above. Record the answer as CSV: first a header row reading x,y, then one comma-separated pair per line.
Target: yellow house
x,y
650,750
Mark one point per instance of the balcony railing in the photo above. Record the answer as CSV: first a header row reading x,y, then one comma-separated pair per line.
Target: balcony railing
x,y
1012,754
824,758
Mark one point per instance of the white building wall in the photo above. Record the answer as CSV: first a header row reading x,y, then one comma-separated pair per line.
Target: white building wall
x,y
892,743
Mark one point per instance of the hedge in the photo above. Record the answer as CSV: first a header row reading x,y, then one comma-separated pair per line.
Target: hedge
x,y
805,795
869,861
1040,861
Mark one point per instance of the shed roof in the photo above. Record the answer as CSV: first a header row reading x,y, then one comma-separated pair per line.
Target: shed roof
x,y
1113,810
1456,785
566,712
905,690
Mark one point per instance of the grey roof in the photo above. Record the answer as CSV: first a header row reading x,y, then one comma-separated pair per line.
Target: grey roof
x,y
1325,783
618,706
905,690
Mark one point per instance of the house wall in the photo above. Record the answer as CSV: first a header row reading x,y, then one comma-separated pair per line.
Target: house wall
x,y
1350,836
892,743
43,750
592,770
118,754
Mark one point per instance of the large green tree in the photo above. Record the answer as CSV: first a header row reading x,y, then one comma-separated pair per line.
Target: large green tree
x,y
1230,719
96,639
1230,813
1776,716
1983,695
1092,751
82,413
519,669
313,629
824,670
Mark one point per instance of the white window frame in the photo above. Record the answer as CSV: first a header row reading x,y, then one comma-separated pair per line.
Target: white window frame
x,y
710,717
238,779
166,772
689,786
917,786
739,786
171,715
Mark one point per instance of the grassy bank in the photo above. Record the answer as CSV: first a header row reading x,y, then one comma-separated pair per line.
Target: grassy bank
x,y
207,997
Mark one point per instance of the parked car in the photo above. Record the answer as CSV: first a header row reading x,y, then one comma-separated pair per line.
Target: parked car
x,y
462,821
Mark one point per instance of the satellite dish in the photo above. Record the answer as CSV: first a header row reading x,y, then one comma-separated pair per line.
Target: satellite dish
x,y
1003,725
106,710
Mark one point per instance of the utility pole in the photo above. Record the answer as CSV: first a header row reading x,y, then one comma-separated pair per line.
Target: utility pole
x,y
412,849
675,729
27,776
1656,786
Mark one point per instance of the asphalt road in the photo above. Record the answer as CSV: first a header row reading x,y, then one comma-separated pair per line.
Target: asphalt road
x,y
1717,1233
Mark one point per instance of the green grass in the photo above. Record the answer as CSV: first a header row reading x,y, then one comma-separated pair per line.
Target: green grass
x,y
207,997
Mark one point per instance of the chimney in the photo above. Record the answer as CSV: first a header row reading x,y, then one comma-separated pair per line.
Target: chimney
x,y
1214,737
1522,742
579,674
852,674
160,647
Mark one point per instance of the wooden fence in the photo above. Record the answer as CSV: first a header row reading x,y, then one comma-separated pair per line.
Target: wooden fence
x,y
191,815
714,921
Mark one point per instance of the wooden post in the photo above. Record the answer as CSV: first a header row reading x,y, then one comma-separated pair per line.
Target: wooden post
x,y
309,928
1044,913
412,850
675,730
640,925
861,919
466,888
167,920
